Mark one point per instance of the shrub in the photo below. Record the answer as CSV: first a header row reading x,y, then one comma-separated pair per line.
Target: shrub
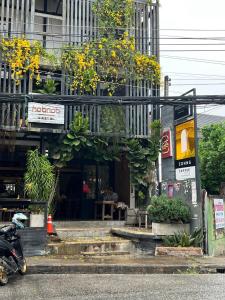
x,y
184,239
166,210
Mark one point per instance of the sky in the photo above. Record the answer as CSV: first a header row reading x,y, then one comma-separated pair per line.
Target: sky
x,y
198,22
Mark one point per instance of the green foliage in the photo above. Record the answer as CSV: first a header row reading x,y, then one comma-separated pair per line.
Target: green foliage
x,y
39,177
110,61
212,157
49,86
190,271
183,239
79,141
142,155
112,15
113,120
166,210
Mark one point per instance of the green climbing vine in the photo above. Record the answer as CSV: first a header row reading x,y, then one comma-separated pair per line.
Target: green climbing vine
x,y
79,142
142,155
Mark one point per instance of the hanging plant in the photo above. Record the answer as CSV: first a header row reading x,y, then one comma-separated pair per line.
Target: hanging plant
x,y
112,15
81,65
146,67
109,61
22,57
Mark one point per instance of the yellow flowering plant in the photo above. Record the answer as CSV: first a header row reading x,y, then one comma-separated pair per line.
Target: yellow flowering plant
x,y
81,66
22,56
108,60
112,15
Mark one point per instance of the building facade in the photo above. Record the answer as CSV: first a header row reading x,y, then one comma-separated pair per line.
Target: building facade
x,y
56,24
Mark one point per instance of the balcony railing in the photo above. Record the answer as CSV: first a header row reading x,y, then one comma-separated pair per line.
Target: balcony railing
x,y
129,120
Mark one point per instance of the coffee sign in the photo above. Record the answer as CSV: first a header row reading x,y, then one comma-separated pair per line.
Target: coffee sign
x,y
45,113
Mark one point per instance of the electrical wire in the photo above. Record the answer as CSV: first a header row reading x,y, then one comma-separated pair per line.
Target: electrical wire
x,y
217,62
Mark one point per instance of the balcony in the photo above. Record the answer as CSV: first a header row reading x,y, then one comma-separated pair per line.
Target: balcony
x,y
61,23
36,113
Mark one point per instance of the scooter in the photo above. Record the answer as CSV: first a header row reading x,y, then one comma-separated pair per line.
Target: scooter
x,y
12,259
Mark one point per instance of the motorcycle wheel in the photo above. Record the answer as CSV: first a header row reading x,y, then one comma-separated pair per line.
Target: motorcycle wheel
x,y
23,269
3,278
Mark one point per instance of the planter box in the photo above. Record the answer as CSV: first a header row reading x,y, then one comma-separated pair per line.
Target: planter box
x,y
37,220
169,229
178,251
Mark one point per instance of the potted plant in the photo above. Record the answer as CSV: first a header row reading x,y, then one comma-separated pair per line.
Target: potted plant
x,y
39,184
182,244
169,215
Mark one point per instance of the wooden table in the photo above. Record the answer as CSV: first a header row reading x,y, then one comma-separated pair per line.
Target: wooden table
x,y
103,204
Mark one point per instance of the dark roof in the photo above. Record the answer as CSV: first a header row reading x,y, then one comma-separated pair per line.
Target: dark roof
x,y
204,119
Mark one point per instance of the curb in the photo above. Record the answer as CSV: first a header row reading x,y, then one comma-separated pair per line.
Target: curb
x,y
124,269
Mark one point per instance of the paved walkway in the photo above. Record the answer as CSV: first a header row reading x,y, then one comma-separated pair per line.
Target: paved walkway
x,y
125,264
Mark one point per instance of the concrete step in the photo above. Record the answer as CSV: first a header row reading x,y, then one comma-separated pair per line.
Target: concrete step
x,y
68,230
89,224
105,253
77,247
74,233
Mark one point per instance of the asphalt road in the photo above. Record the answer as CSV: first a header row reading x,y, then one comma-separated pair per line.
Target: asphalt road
x,y
91,287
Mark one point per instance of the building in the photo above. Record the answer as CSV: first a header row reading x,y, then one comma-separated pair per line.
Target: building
x,y
56,24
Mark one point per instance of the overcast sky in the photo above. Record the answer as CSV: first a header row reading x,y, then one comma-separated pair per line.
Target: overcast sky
x,y
204,70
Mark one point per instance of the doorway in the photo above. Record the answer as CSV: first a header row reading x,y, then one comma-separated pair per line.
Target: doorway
x,y
70,191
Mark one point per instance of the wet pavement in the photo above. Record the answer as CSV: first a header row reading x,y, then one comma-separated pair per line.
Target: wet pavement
x,y
119,287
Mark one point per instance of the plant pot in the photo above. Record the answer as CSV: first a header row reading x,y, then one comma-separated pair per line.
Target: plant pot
x,y
178,251
169,228
37,220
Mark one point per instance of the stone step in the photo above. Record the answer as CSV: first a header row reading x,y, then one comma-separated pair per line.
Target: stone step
x,y
74,233
77,247
105,253
89,224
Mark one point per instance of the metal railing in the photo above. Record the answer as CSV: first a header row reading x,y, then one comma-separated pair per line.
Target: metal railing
x,y
105,120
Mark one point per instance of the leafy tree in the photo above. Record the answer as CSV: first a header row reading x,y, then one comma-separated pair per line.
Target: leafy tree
x,y
212,157
39,177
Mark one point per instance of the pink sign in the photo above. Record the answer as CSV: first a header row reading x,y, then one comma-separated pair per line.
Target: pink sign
x,y
219,213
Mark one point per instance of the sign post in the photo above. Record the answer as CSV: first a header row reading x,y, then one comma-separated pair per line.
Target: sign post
x,y
185,150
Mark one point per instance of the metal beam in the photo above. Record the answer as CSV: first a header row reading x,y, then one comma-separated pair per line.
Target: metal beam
x,y
115,100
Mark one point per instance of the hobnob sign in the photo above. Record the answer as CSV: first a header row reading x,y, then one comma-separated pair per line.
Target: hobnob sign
x,y
45,113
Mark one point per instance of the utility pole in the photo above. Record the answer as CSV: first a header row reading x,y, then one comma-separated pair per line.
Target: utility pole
x,y
167,84
167,172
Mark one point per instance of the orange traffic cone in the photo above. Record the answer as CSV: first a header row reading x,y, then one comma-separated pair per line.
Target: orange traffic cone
x,y
50,229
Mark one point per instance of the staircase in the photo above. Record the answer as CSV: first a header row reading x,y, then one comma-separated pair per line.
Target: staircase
x,y
89,239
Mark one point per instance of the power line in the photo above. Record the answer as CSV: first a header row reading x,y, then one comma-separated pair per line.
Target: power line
x,y
196,79
189,29
220,83
219,62
193,50
195,74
